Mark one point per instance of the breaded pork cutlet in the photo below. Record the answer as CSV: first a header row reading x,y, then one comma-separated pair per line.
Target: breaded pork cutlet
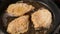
x,y
19,9
19,25
42,18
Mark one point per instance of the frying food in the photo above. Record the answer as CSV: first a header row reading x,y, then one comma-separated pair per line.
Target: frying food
x,y
42,18
19,25
19,9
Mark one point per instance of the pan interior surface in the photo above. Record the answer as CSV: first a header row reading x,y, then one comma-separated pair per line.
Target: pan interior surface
x,y
37,6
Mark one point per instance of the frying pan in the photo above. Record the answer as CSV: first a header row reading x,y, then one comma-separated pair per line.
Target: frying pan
x,y
48,4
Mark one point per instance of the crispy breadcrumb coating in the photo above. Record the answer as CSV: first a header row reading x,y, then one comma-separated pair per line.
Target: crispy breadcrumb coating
x,y
19,9
19,25
42,18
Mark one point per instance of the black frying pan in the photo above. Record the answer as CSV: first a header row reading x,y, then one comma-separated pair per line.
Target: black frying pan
x,y
47,4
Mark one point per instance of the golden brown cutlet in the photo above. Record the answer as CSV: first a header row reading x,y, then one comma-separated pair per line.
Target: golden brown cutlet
x,y
42,18
19,9
19,25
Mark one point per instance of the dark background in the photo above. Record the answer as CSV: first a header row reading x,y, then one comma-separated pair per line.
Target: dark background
x,y
57,2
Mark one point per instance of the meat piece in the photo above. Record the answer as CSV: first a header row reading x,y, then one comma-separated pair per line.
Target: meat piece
x,y
19,25
19,9
42,18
